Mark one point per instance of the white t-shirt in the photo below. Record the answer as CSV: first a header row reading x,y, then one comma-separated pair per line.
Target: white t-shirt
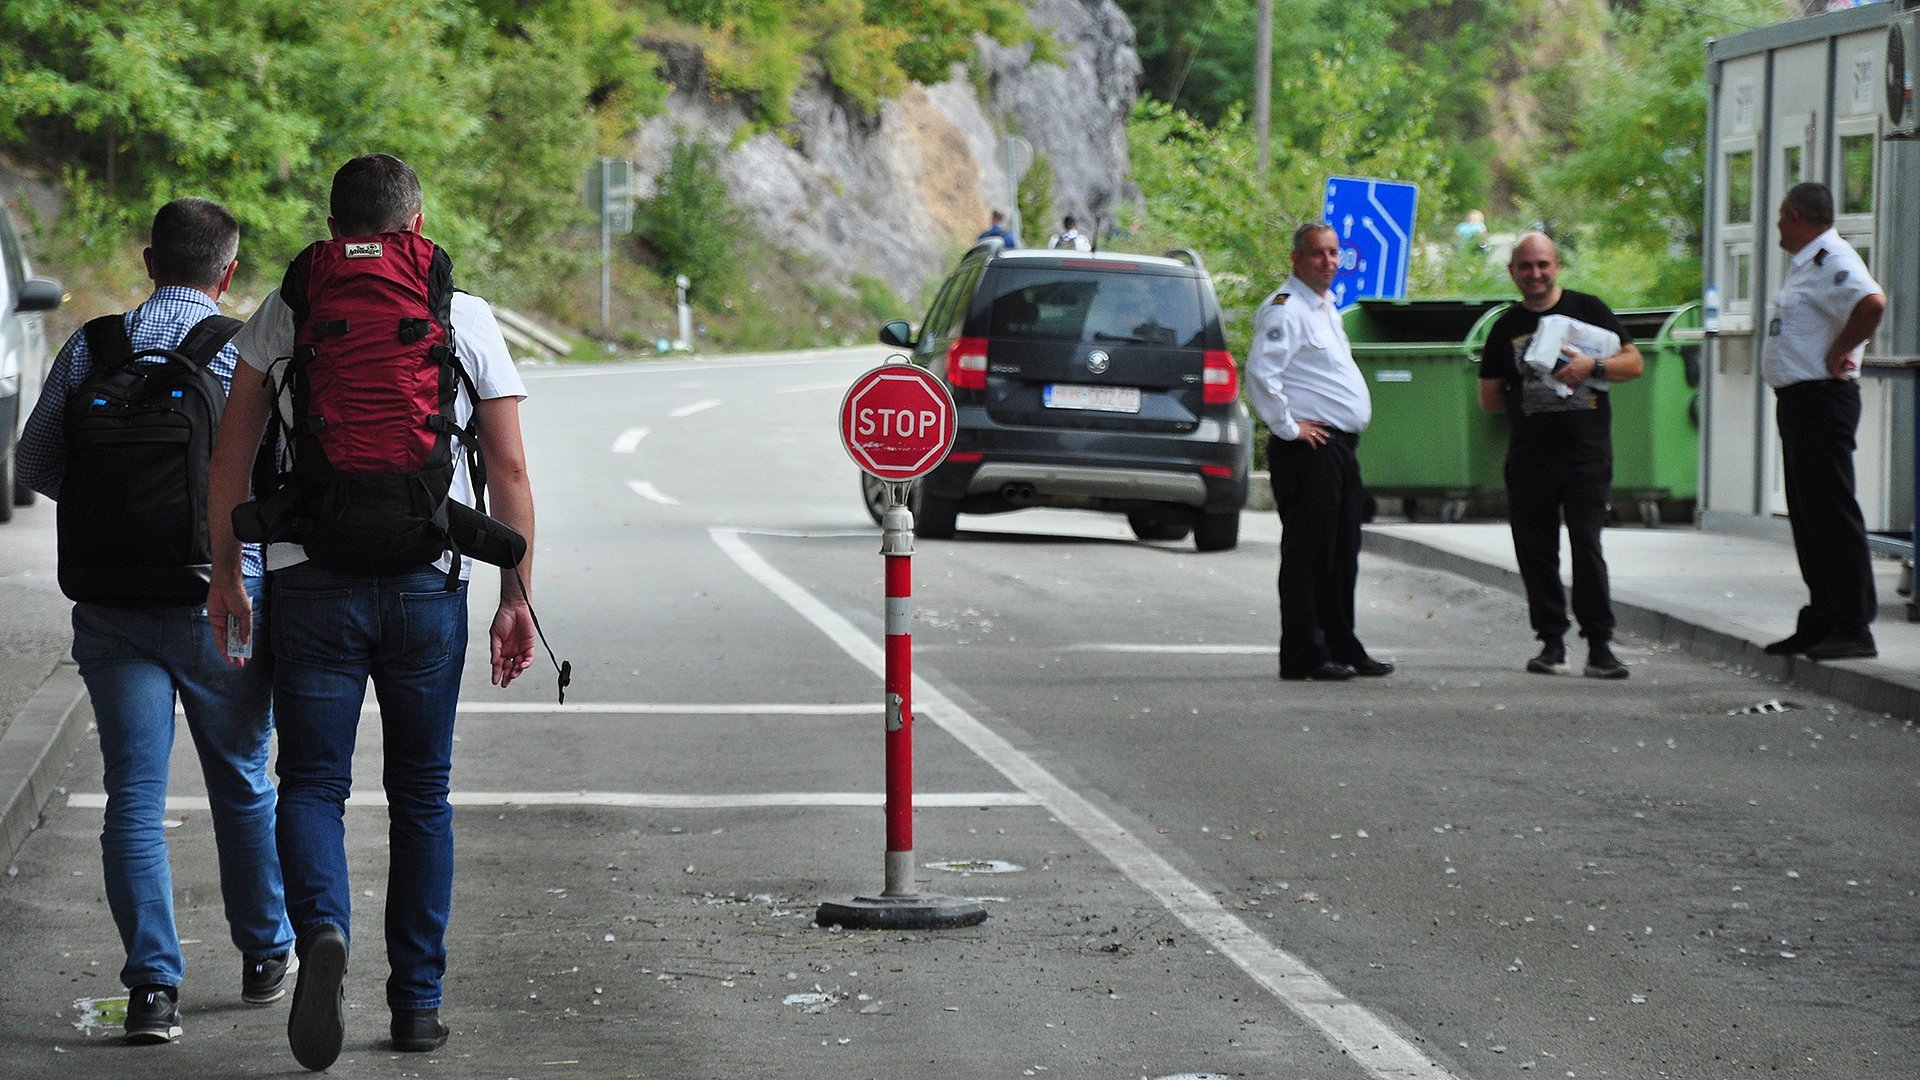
x,y
1824,282
268,337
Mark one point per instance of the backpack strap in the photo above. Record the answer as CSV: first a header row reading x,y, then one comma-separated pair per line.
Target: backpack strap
x,y
208,337
109,346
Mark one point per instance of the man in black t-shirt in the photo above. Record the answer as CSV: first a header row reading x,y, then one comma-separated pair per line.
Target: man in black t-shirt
x,y
1559,456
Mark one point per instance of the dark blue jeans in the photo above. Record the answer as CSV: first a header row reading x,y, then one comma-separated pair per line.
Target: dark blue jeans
x,y
332,631
134,661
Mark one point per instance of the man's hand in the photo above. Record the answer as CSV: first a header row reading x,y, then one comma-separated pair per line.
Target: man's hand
x,y
1313,433
229,598
511,641
1578,368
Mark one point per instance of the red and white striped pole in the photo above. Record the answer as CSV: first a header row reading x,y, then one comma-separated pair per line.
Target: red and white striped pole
x,y
896,545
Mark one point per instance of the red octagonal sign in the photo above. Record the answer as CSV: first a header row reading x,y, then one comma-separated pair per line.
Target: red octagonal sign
x,y
897,422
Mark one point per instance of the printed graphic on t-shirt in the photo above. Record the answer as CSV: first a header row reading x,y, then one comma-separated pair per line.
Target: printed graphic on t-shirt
x,y
1537,393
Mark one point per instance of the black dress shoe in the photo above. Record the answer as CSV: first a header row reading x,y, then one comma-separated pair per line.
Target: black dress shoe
x,y
416,1031
1798,642
1368,667
1329,671
1843,648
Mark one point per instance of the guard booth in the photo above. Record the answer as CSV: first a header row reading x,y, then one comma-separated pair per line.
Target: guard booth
x,y
1826,98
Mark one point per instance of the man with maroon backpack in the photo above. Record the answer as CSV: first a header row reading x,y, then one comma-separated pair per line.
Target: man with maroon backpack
x,y
391,389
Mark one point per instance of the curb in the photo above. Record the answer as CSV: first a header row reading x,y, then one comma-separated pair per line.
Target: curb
x,y
1866,684
35,749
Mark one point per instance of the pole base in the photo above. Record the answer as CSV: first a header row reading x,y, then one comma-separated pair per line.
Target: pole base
x,y
900,913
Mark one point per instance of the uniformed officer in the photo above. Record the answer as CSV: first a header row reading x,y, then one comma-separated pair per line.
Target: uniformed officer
x,y
1827,308
1303,382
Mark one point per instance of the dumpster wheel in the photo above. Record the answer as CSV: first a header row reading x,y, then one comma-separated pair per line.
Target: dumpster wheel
x,y
1650,513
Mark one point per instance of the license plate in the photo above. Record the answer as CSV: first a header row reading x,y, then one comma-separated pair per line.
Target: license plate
x,y
1124,399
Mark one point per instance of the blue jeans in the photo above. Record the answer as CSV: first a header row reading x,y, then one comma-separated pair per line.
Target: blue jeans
x,y
134,660
332,630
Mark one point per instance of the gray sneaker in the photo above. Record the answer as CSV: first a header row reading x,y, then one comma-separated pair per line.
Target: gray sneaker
x,y
263,982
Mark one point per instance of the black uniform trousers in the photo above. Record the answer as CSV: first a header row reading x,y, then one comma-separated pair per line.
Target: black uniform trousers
x,y
1817,423
1318,493
1543,489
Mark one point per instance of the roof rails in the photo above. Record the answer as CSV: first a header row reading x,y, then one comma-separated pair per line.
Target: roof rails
x,y
1188,256
992,245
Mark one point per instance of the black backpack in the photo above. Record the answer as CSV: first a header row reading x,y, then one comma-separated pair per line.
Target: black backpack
x,y
132,514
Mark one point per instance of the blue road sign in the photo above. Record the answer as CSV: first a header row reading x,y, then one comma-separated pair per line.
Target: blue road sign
x,y
1374,219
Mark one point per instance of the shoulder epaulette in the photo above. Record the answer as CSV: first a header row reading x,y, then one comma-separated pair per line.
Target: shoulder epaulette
x,y
1820,257
1279,297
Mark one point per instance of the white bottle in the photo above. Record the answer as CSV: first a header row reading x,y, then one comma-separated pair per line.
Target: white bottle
x,y
1710,310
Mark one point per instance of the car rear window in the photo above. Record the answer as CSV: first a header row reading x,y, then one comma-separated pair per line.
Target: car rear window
x,y
1127,306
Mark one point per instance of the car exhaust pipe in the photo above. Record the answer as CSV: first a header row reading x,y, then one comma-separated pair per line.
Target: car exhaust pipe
x,y
1019,493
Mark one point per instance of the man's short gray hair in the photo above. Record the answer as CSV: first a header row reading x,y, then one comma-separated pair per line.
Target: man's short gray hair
x,y
1303,234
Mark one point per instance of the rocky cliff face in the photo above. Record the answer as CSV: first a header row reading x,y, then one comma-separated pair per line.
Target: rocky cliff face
x,y
895,197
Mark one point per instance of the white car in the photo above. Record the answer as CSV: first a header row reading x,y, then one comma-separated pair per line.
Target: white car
x,y
23,353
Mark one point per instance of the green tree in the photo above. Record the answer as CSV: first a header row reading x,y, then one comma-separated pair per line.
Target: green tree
x,y
690,222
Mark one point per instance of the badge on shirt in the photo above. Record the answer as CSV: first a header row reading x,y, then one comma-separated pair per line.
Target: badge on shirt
x,y
1773,328
1840,277
1275,333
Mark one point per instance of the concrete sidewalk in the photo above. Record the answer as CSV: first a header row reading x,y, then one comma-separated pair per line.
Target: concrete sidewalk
x,y
1713,595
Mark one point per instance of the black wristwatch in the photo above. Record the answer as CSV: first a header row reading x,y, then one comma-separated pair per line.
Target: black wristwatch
x,y
1600,368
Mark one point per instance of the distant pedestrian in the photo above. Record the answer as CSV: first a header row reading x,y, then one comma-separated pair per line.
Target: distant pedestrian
x,y
1302,380
136,655
998,228
1069,236
1472,232
1559,453
1827,308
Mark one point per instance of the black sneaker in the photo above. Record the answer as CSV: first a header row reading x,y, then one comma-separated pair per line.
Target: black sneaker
x,y
1844,647
1552,659
416,1031
263,982
153,1014
317,1023
1602,664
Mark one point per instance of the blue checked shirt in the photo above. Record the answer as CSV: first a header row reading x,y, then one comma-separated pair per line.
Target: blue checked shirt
x,y
161,322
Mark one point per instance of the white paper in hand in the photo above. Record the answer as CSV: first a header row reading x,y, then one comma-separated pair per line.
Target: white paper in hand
x,y
1544,351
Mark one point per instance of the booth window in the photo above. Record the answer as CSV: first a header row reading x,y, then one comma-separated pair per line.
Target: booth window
x,y
1740,187
1856,174
1791,164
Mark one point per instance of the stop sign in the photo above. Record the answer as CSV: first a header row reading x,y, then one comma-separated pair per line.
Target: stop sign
x,y
897,422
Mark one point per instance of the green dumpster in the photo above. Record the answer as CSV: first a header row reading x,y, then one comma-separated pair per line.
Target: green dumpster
x,y
1656,419
1429,444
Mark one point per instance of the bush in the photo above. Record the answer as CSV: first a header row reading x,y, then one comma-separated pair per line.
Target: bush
x,y
690,221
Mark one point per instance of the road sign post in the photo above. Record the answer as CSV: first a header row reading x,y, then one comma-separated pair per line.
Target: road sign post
x,y
897,423
1374,220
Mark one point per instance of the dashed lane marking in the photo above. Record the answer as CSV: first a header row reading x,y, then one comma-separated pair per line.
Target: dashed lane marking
x,y
1367,1040
629,440
694,407
750,800
647,491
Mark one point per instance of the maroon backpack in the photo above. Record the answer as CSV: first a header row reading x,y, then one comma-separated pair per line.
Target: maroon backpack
x,y
373,380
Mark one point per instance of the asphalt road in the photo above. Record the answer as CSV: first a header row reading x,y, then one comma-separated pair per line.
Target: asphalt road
x,y
1458,870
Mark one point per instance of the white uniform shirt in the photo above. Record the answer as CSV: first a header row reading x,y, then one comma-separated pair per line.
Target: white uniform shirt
x,y
1300,366
1824,282
268,336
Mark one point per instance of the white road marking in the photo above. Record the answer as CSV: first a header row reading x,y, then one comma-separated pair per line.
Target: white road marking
x,y
647,491
1367,1040
751,800
1192,650
648,708
629,440
694,407
815,388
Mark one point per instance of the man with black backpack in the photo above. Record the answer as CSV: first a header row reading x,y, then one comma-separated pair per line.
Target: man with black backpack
x,y
121,438
386,383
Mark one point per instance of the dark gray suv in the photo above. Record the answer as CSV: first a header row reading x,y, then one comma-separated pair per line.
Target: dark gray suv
x,y
1087,381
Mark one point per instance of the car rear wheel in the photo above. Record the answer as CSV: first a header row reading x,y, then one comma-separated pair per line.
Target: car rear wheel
x,y
934,518
1217,532
874,493
1152,526
8,490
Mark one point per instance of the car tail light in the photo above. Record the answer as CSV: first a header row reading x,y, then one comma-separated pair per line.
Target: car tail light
x,y
1223,472
965,457
1220,382
967,364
